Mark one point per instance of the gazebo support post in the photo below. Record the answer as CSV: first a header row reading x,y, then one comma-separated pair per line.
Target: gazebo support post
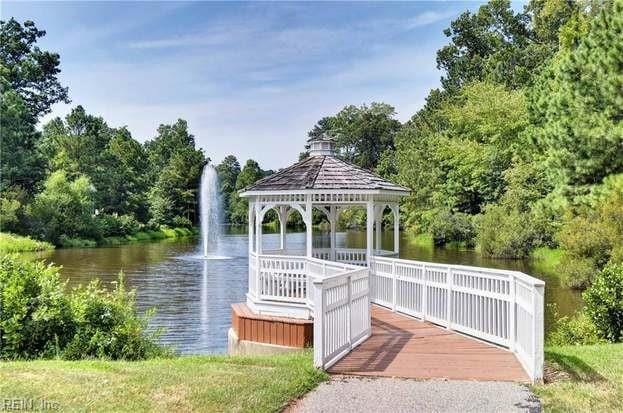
x,y
308,226
333,225
283,219
377,224
251,223
369,231
396,211
258,231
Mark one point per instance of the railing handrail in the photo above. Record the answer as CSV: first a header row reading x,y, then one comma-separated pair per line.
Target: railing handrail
x,y
518,274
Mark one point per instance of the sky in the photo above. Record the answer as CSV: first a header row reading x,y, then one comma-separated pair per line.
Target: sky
x,y
251,79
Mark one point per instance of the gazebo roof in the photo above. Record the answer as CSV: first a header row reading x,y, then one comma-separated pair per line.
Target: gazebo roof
x,y
323,172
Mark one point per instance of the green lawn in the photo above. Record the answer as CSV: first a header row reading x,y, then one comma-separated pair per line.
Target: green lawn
x,y
207,383
583,379
16,243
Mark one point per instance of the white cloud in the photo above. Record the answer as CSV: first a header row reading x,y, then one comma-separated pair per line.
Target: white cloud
x,y
426,18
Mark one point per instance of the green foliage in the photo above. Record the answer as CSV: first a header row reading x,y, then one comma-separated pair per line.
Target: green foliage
x,y
175,168
106,326
10,243
63,207
504,233
39,319
455,154
447,227
36,319
228,172
27,69
594,236
363,133
604,302
249,174
496,43
576,105
578,329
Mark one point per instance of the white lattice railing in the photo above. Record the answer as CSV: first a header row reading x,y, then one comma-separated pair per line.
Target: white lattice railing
x,y
341,315
503,307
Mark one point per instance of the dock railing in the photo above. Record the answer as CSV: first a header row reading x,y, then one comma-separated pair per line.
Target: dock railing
x,y
499,306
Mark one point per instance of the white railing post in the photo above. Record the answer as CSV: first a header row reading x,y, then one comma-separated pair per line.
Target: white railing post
x,y
512,313
424,293
537,328
394,286
449,282
318,323
349,309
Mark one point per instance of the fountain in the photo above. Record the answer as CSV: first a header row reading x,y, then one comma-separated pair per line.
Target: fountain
x,y
209,212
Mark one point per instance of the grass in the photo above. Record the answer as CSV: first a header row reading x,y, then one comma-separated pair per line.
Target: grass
x,y
547,258
206,383
583,378
10,243
421,240
150,235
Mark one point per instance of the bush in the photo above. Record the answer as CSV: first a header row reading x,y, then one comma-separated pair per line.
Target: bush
x,y
506,233
68,242
107,326
604,302
576,330
446,227
35,316
116,226
183,222
39,319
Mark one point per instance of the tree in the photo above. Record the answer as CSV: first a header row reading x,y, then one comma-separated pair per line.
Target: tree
x,y
113,161
499,45
362,133
63,207
576,103
250,173
28,70
455,152
228,172
175,167
21,165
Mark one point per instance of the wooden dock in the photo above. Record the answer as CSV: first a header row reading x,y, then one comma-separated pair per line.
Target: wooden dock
x,y
402,346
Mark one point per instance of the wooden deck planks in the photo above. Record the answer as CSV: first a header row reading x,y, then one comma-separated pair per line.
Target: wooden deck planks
x,y
401,346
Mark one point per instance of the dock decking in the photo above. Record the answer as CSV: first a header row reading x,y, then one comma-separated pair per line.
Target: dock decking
x,y
402,346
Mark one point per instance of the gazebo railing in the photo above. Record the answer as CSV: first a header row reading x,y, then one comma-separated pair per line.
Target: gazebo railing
x,y
354,256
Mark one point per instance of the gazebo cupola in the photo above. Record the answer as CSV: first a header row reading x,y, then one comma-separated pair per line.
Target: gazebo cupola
x,y
329,184
320,146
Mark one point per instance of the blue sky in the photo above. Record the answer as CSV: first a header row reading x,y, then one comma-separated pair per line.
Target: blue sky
x,y
250,78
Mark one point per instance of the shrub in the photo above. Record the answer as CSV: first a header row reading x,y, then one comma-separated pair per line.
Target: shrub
x,y
39,319
35,316
576,330
604,302
446,227
505,233
107,326
116,226
179,221
68,242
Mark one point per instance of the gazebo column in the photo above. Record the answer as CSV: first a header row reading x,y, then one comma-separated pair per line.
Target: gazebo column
x,y
251,223
369,231
307,217
378,219
282,212
396,211
258,229
333,224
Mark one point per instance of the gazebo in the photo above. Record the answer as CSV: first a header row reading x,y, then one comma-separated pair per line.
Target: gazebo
x,y
323,296
329,184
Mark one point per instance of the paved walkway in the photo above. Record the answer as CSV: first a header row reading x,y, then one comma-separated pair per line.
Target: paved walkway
x,y
366,394
402,346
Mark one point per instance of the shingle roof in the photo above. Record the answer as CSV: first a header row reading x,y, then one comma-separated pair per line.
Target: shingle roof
x,y
323,172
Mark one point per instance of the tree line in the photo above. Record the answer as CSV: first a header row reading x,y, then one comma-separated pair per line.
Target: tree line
x,y
520,147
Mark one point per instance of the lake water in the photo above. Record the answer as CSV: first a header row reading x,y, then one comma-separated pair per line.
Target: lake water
x,y
192,298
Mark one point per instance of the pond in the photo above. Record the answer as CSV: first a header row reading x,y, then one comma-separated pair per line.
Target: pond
x,y
192,297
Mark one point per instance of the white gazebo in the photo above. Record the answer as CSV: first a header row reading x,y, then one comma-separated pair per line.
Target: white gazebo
x,y
329,184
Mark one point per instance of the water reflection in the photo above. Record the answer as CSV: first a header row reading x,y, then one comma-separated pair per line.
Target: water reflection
x,y
193,297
